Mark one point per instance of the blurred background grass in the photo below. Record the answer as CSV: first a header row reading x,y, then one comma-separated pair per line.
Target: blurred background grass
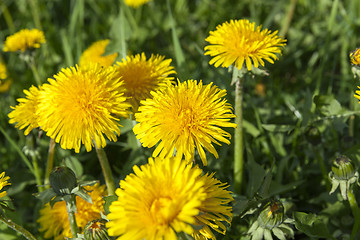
x,y
310,86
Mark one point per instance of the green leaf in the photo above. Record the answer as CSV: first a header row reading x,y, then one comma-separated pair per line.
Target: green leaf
x,y
45,196
256,175
81,193
327,105
74,164
250,128
277,127
108,201
312,225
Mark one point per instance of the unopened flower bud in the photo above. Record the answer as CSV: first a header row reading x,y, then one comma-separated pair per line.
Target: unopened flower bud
x,y
272,215
343,175
62,180
96,230
343,168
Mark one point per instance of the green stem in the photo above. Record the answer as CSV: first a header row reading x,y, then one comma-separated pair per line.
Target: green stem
x,y
355,211
70,206
105,166
321,163
122,32
50,160
35,73
288,18
16,227
8,18
238,135
16,147
35,13
37,174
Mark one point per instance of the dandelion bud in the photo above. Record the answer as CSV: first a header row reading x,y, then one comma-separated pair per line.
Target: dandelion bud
x,y
96,230
272,215
343,174
343,168
62,180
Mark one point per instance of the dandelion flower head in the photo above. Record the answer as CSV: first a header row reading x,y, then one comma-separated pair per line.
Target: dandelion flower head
x,y
95,54
141,76
82,104
184,117
135,3
214,210
24,114
3,72
162,198
54,221
357,94
5,85
355,57
3,183
23,40
239,42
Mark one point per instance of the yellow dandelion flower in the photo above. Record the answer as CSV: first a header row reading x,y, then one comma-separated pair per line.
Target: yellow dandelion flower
x,y
214,210
135,3
54,221
165,197
5,85
142,76
3,72
3,183
239,41
94,54
23,40
184,117
82,104
24,114
355,57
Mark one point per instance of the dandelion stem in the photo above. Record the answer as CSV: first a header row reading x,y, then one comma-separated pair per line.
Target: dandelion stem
x,y
288,18
238,135
35,13
16,227
355,211
35,73
122,33
50,160
37,174
105,166
70,206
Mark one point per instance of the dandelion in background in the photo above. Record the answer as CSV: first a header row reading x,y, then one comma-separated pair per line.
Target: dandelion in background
x,y
5,83
3,72
95,54
3,182
135,3
239,42
141,76
54,220
184,117
24,114
23,40
166,197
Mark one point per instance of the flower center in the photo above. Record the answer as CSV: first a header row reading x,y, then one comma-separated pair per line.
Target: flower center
x,y
163,210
